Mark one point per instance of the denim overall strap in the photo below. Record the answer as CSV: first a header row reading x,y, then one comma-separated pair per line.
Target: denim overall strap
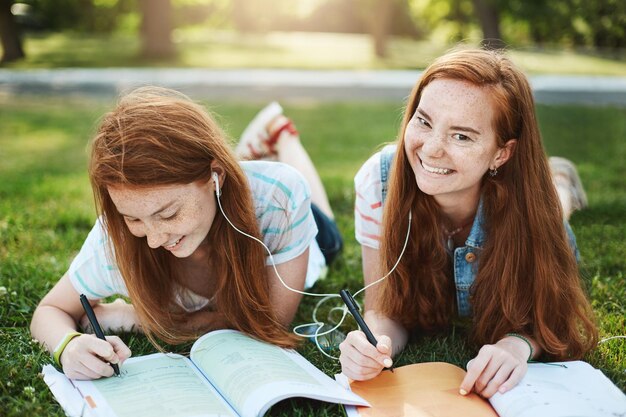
x,y
465,262
572,240
386,158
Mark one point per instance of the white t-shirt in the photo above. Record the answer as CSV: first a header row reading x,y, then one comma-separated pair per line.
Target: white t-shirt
x,y
282,201
368,207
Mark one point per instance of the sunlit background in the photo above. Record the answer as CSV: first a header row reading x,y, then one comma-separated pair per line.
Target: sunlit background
x,y
582,36
64,62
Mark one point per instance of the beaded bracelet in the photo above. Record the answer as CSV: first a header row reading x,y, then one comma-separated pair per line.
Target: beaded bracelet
x,y
519,336
56,354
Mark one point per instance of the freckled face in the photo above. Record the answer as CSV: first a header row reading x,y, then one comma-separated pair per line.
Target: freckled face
x,y
450,142
175,217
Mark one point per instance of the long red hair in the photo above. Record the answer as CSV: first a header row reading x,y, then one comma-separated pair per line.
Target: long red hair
x,y
527,280
157,137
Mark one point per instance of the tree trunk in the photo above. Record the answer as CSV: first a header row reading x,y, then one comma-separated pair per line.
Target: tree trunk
x,y
156,28
489,17
380,25
243,16
9,34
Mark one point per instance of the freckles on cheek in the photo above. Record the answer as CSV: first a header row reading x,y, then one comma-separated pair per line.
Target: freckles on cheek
x,y
133,231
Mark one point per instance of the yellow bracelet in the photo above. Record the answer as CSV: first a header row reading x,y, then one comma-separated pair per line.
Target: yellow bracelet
x,y
56,354
519,336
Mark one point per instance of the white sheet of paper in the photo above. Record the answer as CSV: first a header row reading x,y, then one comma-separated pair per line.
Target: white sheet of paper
x,y
554,391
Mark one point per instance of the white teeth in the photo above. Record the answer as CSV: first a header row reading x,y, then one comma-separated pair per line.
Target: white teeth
x,y
173,244
442,171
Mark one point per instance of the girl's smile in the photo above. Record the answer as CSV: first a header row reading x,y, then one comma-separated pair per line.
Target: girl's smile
x,y
450,141
175,217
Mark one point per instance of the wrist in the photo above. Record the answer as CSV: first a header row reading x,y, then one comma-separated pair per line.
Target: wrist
x,y
60,348
526,347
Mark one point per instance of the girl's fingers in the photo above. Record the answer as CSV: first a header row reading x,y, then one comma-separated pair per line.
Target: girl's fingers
x,y
119,347
494,369
103,349
514,379
475,368
359,359
502,375
359,353
95,366
362,345
87,357
494,364
356,371
384,345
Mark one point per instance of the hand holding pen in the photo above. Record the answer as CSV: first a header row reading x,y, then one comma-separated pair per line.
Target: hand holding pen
x,y
356,354
120,350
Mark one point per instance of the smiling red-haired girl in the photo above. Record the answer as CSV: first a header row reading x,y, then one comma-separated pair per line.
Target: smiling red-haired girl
x,y
488,236
158,164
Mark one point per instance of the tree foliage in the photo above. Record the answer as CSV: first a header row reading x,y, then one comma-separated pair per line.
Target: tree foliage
x,y
95,16
598,23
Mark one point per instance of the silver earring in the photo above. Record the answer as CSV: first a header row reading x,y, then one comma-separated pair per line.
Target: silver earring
x,y
493,172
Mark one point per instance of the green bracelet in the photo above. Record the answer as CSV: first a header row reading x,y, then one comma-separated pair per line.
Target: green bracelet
x,y
56,354
519,336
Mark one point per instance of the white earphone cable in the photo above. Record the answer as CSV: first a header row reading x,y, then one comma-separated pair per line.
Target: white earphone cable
x,y
270,255
326,297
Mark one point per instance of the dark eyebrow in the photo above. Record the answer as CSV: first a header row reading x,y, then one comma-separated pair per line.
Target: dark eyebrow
x,y
461,128
165,207
465,129
423,113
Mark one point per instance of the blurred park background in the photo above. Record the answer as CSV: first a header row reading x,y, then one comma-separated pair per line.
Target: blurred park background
x,y
564,36
46,207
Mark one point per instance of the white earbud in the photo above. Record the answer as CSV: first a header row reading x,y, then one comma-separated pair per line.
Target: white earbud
x,y
216,180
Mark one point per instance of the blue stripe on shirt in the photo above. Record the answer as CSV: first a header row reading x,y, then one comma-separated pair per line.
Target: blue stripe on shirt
x,y
296,244
270,208
107,266
85,287
276,230
277,183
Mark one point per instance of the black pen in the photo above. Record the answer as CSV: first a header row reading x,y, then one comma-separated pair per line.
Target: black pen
x,y
96,326
354,310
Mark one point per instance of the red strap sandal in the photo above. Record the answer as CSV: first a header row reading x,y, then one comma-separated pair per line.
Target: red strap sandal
x,y
272,140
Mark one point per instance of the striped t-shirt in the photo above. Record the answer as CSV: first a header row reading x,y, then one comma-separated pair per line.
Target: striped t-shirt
x,y
368,207
282,202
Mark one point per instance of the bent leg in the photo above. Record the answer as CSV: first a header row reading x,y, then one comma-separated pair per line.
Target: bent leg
x,y
289,150
568,185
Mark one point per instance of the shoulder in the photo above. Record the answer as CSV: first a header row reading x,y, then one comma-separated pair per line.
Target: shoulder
x,y
98,236
282,202
272,178
94,270
370,171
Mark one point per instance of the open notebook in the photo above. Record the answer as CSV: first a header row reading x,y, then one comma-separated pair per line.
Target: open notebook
x,y
227,374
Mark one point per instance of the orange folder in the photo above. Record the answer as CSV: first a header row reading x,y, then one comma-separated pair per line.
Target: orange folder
x,y
420,390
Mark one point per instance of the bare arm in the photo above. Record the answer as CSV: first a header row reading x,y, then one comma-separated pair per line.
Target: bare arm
x,y
85,356
379,324
57,314
285,302
359,359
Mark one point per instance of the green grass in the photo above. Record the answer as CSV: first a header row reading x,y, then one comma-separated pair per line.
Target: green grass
x,y
222,49
46,211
